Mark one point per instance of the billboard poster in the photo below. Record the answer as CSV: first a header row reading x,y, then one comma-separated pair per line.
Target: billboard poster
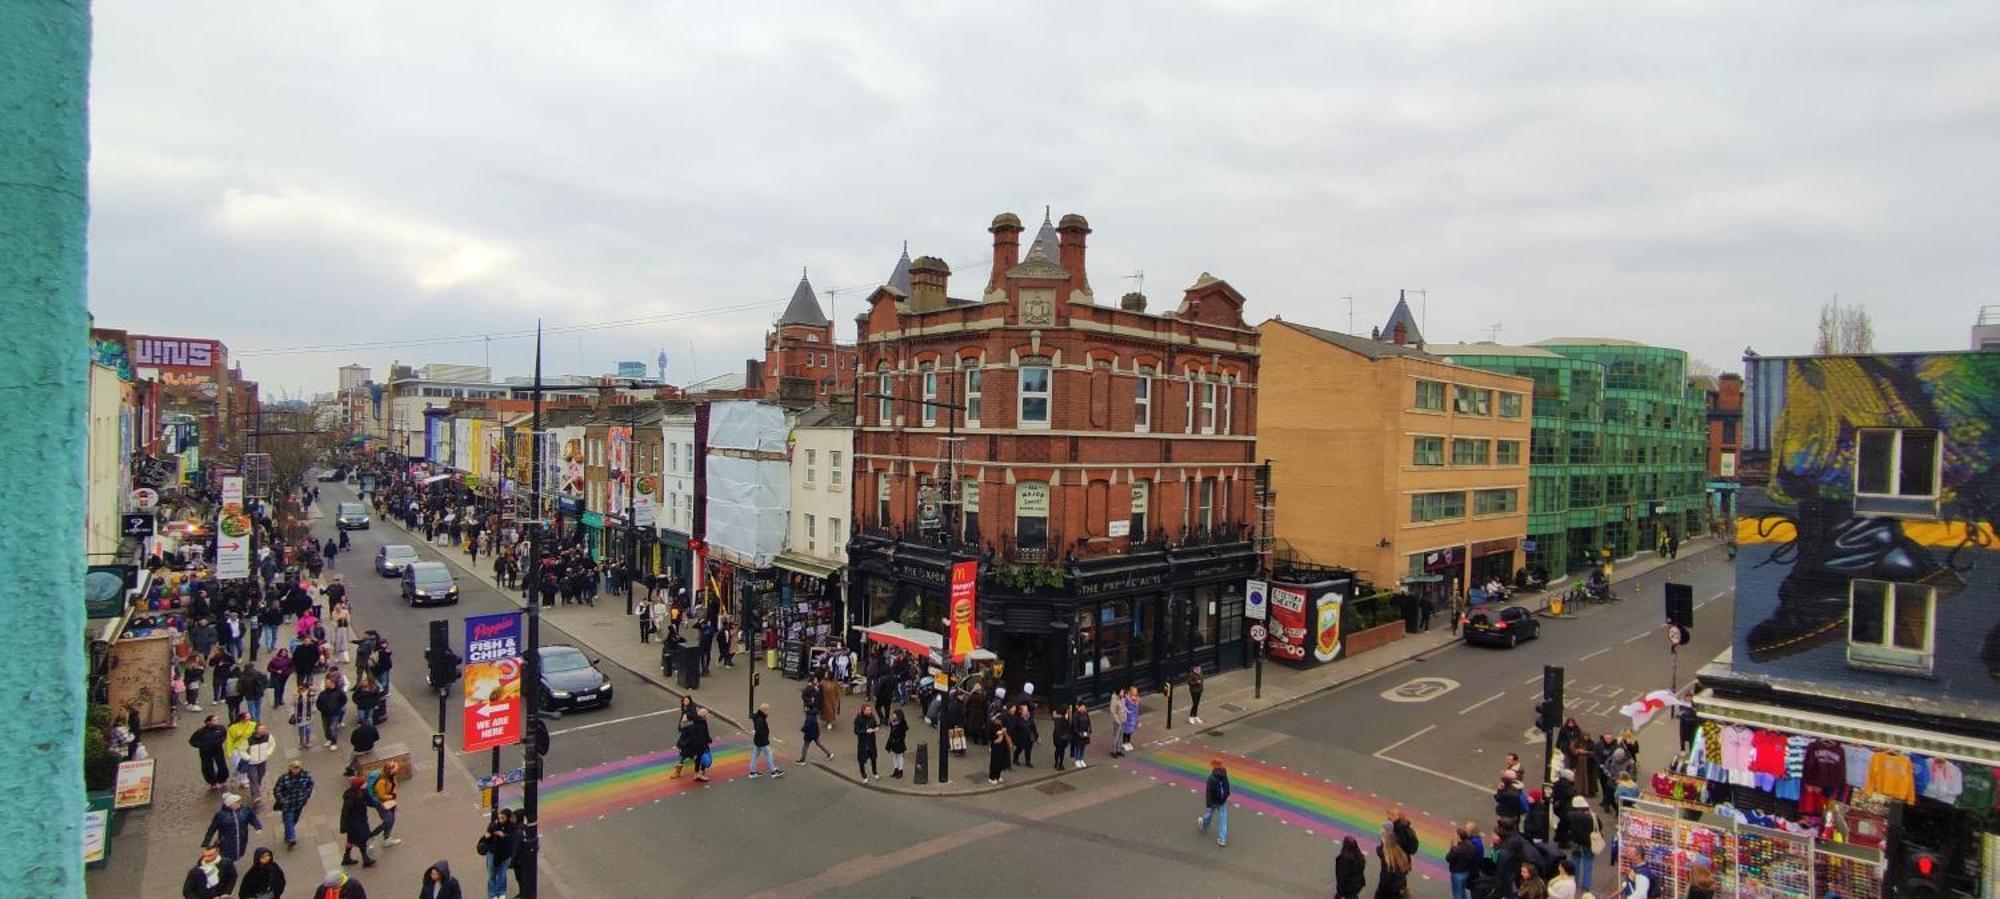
x,y
492,677
1326,628
642,500
1288,624
618,462
232,533
964,609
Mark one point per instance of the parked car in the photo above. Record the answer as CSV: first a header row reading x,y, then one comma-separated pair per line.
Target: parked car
x,y
571,681
1506,626
351,517
390,560
429,584
332,475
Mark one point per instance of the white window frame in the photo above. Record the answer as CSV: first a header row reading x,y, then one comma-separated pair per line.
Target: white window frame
x,y
1142,402
1896,467
930,392
812,460
1187,425
1229,404
1205,504
1885,655
834,476
834,541
975,392
812,533
1046,395
885,402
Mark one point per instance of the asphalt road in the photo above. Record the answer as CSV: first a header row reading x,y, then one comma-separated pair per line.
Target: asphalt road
x,y
616,823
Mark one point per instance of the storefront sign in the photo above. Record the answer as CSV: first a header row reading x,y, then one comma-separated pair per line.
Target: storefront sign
x,y
140,525
618,459
232,533
134,786
593,520
492,678
1213,569
1031,499
145,499
569,505
174,352
1126,581
922,573
1288,624
642,500
964,609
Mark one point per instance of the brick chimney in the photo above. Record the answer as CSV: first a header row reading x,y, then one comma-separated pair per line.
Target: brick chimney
x,y
1071,231
1006,230
1133,302
1401,337
927,281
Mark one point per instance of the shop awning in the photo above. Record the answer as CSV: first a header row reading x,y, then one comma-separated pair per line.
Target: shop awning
x,y
1843,729
436,478
804,565
903,637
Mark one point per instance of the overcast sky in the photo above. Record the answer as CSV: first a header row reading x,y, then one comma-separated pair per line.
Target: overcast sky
x,y
1705,176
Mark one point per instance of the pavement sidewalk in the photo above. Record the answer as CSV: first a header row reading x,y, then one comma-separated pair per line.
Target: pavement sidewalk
x,y
156,845
606,630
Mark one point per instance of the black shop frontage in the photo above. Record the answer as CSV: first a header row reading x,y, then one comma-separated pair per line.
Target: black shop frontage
x,y
1085,630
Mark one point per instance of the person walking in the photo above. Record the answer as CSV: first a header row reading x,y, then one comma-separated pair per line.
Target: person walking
x,y
354,827
1118,713
760,741
263,879
1563,885
1217,800
645,614
208,740
1000,743
1393,881
1194,687
1079,734
381,786
337,885
703,760
366,696
332,705
438,882
278,670
289,796
302,714
230,827
256,759
343,632
1462,860
251,684
212,877
865,725
899,742
494,846
1131,720
1350,870
810,730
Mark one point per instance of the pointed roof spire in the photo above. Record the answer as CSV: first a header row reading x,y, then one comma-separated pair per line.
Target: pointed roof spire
x,y
1401,316
804,308
899,277
1046,239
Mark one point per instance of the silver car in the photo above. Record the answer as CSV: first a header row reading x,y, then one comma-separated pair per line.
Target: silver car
x,y
390,560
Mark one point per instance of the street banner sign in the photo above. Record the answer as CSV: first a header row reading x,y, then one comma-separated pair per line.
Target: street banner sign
x,y
137,525
232,533
501,778
964,609
494,712
145,499
1254,595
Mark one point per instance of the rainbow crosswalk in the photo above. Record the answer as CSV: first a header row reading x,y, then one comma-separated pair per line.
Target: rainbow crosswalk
x,y
572,797
1320,807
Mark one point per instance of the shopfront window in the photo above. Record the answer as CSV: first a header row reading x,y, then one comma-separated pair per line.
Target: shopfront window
x,y
1207,608
1142,635
1085,657
1114,644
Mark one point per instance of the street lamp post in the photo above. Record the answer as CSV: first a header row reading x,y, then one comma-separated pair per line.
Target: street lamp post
x,y
531,788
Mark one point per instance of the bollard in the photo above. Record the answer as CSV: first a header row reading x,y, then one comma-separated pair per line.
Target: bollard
x,y
922,775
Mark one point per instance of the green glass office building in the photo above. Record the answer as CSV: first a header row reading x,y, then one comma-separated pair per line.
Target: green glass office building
x,y
1617,457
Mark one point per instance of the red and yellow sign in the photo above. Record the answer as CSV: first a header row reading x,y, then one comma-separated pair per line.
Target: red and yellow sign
x,y
964,609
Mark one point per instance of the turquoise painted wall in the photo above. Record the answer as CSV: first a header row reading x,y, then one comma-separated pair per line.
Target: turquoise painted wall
x,y
44,378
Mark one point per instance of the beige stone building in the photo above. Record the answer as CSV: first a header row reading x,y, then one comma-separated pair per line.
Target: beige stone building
x,y
1392,462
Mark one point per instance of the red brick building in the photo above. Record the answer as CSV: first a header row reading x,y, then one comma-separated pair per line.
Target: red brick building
x,y
801,346
1097,460
1725,421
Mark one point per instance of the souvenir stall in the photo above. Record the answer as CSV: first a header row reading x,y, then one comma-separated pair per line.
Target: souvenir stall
x,y
807,617
1779,813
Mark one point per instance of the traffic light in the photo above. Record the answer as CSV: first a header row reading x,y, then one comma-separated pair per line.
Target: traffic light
x,y
538,736
1548,716
1680,606
1548,712
442,660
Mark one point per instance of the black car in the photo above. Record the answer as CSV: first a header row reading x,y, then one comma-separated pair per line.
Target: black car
x,y
1506,626
429,584
571,681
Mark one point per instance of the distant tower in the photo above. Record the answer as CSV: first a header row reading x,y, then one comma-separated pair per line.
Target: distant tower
x,y
663,364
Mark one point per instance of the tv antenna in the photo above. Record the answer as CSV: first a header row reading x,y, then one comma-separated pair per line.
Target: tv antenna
x,y
1492,332
1350,311
1138,279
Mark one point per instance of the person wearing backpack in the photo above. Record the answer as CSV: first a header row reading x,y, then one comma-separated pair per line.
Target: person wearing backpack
x,y
381,786
1581,839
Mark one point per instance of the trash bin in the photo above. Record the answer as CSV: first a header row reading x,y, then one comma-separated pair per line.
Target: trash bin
x,y
690,667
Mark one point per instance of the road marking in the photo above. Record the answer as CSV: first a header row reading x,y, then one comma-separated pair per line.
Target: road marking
x,y
1533,680
1641,636
1595,654
1483,791
1427,729
1420,689
571,730
1482,702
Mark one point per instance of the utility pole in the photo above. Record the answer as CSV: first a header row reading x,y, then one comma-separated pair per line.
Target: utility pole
x,y
531,788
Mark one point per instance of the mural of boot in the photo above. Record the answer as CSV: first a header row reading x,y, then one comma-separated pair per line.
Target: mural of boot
x,y
1813,599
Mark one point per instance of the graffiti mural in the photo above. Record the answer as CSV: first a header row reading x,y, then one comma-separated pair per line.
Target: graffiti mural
x,y
1867,553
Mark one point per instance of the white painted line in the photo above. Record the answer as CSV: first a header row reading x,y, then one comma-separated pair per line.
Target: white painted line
x,y
1533,680
1639,637
1595,654
1483,791
1427,729
571,730
1482,702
